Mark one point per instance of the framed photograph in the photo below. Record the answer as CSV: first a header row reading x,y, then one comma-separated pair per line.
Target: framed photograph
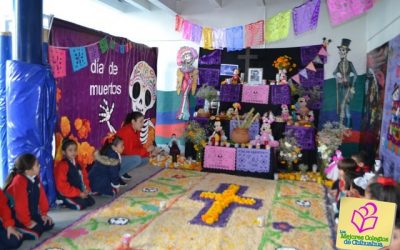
x,y
227,69
255,76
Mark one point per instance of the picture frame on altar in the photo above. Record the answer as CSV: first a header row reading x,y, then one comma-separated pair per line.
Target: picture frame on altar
x,y
227,69
255,76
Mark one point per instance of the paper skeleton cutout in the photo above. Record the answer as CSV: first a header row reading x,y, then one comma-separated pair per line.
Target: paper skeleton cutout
x,y
303,203
118,221
150,189
142,93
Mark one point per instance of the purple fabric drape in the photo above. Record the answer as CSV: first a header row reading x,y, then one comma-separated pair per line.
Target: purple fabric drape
x,y
209,76
214,58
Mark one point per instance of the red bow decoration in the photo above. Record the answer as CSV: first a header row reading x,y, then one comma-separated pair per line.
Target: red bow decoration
x,y
109,138
386,181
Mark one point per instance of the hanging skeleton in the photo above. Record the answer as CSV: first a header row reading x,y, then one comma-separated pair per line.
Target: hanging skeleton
x,y
142,92
346,77
187,77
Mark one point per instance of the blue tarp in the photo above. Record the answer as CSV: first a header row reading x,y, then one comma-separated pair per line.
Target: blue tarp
x,y
5,54
31,117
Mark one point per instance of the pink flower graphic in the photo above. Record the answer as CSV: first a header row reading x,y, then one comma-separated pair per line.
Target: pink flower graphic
x,y
363,218
74,233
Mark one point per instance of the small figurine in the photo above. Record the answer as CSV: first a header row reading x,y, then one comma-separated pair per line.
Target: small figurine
x,y
281,77
218,136
285,112
266,138
174,150
236,77
303,115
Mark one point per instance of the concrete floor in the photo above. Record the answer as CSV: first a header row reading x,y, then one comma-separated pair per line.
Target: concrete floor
x,y
63,217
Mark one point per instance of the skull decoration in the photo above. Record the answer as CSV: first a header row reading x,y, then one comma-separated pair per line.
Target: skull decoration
x,y
118,221
149,189
142,87
303,203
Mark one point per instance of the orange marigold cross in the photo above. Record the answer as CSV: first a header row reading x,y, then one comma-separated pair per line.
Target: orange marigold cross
x,y
222,204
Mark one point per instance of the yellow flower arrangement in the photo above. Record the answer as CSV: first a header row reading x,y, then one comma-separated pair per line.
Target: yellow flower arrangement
x,y
196,134
284,62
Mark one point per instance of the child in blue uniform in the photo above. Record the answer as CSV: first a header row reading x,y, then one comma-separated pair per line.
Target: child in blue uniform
x,y
104,175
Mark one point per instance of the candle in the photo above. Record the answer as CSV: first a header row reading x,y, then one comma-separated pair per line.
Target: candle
x,y
314,168
258,146
276,176
163,205
260,221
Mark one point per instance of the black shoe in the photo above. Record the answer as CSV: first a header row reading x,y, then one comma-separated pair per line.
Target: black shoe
x,y
126,177
122,183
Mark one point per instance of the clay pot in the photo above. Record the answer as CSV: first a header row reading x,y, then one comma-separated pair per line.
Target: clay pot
x,y
240,135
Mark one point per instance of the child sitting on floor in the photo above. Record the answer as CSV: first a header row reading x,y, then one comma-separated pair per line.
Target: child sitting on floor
x,y
338,188
10,238
386,189
383,189
31,205
71,180
104,175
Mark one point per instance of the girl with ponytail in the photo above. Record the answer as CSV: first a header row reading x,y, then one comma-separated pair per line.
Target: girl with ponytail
x,y
31,204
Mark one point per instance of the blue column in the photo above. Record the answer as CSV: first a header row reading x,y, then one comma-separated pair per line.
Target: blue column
x,y
27,42
5,54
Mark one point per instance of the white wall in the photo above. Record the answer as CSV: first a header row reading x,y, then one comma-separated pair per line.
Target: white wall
x,y
156,28
383,23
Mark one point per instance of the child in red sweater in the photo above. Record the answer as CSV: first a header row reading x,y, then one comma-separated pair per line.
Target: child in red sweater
x,y
10,238
31,205
135,154
72,182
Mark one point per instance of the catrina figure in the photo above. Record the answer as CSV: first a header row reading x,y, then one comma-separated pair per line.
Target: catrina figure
x,y
187,79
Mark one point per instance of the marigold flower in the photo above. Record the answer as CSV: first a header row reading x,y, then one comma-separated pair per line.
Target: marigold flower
x,y
65,126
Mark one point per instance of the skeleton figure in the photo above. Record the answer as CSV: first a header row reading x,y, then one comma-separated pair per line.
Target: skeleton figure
x,y
346,76
187,77
142,92
119,221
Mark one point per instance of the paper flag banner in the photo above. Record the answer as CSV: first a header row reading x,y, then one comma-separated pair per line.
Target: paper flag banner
x,y
93,52
78,58
219,38
58,62
178,23
317,60
305,16
196,33
322,52
277,27
303,73
122,49
254,33
112,44
343,10
296,78
207,38
103,45
234,38
311,67
187,30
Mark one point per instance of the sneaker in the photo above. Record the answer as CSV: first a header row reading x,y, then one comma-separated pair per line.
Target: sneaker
x,y
122,183
126,177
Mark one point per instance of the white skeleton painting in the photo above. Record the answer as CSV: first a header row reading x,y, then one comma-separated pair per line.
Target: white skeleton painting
x,y
142,92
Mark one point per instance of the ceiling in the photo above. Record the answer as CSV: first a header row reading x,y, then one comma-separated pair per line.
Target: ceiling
x,y
171,6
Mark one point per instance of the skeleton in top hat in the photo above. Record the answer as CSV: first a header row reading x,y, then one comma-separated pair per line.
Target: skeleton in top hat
x,y
346,76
